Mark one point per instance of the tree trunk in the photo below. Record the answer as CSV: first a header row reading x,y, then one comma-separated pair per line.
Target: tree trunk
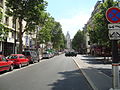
x,y
20,35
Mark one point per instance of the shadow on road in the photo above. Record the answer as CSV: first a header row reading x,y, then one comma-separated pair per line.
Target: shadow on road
x,y
72,80
96,60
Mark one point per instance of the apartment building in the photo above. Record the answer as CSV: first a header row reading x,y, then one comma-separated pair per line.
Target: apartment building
x,y
10,43
90,22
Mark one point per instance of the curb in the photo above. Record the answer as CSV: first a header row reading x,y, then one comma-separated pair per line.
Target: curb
x,y
85,75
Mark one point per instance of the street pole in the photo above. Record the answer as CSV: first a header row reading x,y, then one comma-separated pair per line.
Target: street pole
x,y
115,65
115,61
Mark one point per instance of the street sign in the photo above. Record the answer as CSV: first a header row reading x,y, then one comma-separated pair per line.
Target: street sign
x,y
113,15
114,26
114,34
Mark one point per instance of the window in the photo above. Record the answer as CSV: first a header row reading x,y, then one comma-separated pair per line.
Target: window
x,y
13,23
7,20
21,57
1,15
12,57
13,34
4,59
1,3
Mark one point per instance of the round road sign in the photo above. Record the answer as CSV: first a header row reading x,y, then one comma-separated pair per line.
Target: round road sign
x,y
113,15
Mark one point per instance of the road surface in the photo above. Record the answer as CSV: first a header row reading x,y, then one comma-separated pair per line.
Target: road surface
x,y
57,73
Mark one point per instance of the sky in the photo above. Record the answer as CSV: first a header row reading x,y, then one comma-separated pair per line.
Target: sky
x,y
72,14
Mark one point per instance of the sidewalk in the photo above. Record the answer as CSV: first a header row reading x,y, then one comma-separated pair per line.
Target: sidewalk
x,y
97,79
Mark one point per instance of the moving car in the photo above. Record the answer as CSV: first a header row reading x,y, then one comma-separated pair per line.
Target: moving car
x,y
31,55
71,53
5,65
18,60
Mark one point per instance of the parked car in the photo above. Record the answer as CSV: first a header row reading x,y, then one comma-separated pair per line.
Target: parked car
x,y
56,53
71,54
5,65
18,60
46,55
31,55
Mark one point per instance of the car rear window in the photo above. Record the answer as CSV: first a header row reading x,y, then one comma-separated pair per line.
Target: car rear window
x,y
21,57
45,52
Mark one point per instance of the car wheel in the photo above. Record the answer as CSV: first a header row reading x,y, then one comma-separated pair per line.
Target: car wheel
x,y
11,68
20,65
33,62
38,60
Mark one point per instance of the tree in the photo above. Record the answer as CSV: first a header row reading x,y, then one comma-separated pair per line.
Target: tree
x,y
45,32
3,30
57,36
30,11
52,32
78,41
98,31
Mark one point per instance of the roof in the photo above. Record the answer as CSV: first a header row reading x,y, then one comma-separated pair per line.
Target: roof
x,y
17,54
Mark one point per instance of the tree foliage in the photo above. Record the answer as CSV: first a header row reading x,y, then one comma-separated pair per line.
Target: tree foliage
x,y
78,41
57,36
98,30
3,30
52,32
30,11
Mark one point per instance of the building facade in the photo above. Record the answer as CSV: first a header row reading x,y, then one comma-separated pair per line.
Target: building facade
x,y
90,23
9,43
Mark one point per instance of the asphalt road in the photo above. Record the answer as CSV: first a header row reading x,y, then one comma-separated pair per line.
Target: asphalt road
x,y
58,73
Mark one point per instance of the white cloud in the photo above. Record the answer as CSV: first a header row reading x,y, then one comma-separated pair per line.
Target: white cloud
x,y
73,24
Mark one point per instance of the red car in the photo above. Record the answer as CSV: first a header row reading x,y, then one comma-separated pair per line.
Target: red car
x,y
18,60
5,65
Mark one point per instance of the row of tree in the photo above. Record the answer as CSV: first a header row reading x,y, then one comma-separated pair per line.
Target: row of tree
x,y
98,31
33,12
52,32
97,28
78,41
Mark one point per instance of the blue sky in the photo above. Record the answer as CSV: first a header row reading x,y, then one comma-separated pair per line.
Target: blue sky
x,y
72,14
